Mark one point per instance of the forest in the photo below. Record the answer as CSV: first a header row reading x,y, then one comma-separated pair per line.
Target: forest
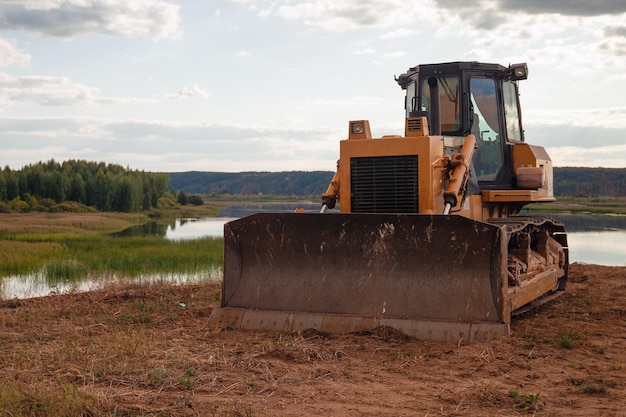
x,y
568,182
77,185
589,182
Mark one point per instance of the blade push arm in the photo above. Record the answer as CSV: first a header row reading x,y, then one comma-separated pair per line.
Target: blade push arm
x,y
459,165
330,197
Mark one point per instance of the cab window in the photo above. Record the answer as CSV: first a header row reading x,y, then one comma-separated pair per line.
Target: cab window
x,y
449,104
486,127
511,111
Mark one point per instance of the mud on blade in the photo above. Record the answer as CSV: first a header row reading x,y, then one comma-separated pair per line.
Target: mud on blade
x,y
429,268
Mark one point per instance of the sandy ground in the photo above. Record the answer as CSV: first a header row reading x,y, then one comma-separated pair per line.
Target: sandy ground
x,y
149,351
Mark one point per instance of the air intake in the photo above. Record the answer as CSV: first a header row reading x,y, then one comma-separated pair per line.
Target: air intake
x,y
387,184
416,126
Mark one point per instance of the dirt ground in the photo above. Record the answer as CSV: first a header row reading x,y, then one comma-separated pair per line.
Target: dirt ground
x,y
148,351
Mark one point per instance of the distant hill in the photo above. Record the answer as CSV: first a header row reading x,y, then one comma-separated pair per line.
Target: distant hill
x,y
590,182
287,183
568,181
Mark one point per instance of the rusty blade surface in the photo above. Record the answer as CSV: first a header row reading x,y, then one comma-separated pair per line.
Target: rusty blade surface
x,y
387,265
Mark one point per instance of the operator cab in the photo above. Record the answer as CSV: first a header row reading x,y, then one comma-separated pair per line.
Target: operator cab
x,y
471,97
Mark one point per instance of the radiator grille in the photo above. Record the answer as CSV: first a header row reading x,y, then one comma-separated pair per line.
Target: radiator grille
x,y
386,184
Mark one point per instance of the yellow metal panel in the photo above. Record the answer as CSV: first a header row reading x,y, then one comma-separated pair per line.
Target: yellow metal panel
x,y
429,150
506,196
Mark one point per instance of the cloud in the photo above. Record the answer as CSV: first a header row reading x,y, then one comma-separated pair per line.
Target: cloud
x,y
395,54
598,118
10,55
580,8
586,139
602,156
172,146
399,33
363,48
154,19
188,92
615,30
52,91
342,15
568,8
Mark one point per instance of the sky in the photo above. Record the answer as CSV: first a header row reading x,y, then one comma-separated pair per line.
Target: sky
x,y
243,85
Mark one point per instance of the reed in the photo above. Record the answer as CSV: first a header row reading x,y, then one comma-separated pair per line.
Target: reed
x,y
71,256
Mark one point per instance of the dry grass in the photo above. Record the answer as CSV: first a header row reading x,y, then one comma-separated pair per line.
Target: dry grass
x,y
68,222
148,351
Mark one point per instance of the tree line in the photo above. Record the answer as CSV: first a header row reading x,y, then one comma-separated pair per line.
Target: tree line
x,y
590,182
285,183
47,186
568,182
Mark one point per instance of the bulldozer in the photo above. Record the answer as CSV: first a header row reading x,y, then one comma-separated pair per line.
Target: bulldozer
x,y
420,232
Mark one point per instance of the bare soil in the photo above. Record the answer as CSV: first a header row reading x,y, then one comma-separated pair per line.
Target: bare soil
x,y
149,351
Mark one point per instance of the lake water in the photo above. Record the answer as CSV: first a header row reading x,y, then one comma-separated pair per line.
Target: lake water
x,y
604,244
592,239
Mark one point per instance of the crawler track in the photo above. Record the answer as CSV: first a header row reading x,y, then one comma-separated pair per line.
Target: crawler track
x,y
537,248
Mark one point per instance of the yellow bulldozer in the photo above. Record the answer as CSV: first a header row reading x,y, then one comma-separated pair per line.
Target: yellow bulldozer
x,y
428,238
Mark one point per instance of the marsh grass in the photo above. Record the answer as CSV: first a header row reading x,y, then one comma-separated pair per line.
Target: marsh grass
x,y
68,248
71,257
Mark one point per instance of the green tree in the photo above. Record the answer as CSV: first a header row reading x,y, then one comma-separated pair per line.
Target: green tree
x,y
196,200
3,187
182,198
13,186
77,189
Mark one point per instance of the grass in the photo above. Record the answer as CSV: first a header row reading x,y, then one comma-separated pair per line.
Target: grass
x,y
72,246
73,256
594,389
127,351
148,351
581,205
528,402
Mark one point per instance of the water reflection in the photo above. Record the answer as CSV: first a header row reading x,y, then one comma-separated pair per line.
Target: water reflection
x,y
591,223
602,248
592,239
37,285
147,229
196,228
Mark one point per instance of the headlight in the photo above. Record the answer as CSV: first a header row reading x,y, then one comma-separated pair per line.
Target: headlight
x,y
518,71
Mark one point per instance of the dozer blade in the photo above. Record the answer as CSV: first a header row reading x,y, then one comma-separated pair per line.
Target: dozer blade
x,y
434,277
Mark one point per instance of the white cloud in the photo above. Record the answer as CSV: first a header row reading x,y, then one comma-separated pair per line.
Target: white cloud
x,y
395,54
67,19
52,91
399,33
10,55
188,92
602,156
363,48
609,117
227,147
342,15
